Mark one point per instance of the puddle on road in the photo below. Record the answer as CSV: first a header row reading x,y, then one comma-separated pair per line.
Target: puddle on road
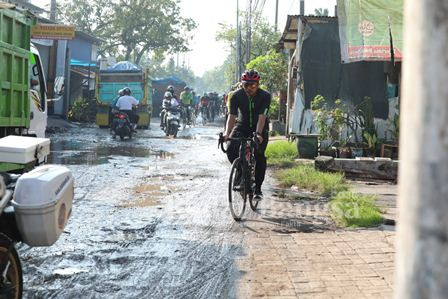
x,y
141,203
153,189
73,153
147,195
69,271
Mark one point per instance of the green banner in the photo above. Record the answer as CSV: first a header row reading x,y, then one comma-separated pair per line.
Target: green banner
x,y
366,28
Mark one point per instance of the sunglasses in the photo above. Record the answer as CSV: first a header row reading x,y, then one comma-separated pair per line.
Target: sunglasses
x,y
251,85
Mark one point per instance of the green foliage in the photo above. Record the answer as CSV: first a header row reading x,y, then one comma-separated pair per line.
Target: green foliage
x,y
81,110
274,108
215,79
371,139
330,120
281,149
264,38
355,210
273,69
308,178
159,68
132,28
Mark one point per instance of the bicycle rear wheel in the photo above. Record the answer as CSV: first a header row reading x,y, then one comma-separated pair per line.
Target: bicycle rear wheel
x,y
237,190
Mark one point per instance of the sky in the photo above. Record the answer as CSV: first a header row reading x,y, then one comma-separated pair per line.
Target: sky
x,y
206,52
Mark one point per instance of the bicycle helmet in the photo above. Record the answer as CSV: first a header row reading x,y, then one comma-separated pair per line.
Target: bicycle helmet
x,y
250,76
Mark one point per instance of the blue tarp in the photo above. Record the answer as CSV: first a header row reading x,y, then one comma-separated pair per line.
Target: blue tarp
x,y
124,66
76,62
172,80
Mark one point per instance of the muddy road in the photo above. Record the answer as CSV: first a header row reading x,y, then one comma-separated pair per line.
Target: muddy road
x,y
150,220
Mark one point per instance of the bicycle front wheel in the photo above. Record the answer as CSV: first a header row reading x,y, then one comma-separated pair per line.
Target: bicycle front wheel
x,y
237,190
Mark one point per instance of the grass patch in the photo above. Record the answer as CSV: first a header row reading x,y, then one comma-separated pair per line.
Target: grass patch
x,y
347,208
281,162
281,151
355,210
306,177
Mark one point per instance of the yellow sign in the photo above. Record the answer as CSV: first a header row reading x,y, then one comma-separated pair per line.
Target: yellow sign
x,y
52,31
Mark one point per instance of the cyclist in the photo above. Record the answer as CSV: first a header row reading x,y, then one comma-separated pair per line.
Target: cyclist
x,y
204,106
251,103
186,98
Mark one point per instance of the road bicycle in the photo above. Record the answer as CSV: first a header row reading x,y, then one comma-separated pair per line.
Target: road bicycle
x,y
242,176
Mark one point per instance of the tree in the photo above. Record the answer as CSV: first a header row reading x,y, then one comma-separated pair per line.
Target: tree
x,y
132,28
273,69
159,67
321,12
264,37
215,79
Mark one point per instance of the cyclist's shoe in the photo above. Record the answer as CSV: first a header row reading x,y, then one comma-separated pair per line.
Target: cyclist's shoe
x,y
258,194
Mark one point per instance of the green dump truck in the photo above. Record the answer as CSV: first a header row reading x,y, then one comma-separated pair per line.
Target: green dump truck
x,y
23,101
111,80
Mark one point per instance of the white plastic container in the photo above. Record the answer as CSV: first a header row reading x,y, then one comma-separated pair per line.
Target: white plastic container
x,y
43,204
23,150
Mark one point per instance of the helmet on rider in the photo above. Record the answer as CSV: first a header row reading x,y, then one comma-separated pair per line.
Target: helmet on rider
x,y
126,91
187,88
168,95
250,76
170,88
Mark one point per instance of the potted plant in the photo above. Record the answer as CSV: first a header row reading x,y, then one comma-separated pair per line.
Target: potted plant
x,y
372,141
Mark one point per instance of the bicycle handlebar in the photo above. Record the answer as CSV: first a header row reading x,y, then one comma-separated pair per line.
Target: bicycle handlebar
x,y
253,139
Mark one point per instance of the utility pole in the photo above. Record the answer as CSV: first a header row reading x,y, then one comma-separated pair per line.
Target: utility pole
x,y
276,15
53,10
422,232
52,58
302,7
249,31
240,51
237,42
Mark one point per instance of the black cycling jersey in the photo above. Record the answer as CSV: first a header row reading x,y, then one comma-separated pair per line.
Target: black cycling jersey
x,y
248,109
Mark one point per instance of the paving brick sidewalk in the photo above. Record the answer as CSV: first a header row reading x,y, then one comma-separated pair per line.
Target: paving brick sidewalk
x,y
292,252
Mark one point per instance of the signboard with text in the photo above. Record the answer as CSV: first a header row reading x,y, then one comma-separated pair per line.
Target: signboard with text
x,y
53,31
368,28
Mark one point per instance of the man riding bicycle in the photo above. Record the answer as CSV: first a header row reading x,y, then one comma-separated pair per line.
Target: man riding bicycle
x,y
251,103
204,104
186,98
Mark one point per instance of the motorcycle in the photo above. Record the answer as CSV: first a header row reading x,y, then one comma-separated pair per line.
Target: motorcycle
x,y
172,121
35,218
122,126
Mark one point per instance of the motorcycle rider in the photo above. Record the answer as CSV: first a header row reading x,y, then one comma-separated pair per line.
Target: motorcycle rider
x,y
168,102
251,105
125,104
170,88
186,98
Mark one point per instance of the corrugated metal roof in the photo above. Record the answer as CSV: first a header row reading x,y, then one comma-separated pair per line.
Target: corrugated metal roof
x,y
289,36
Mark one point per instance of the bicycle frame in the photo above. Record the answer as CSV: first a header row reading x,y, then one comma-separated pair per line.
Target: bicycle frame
x,y
247,155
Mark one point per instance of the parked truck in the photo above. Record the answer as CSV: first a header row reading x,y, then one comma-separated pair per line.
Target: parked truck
x,y
23,100
111,80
